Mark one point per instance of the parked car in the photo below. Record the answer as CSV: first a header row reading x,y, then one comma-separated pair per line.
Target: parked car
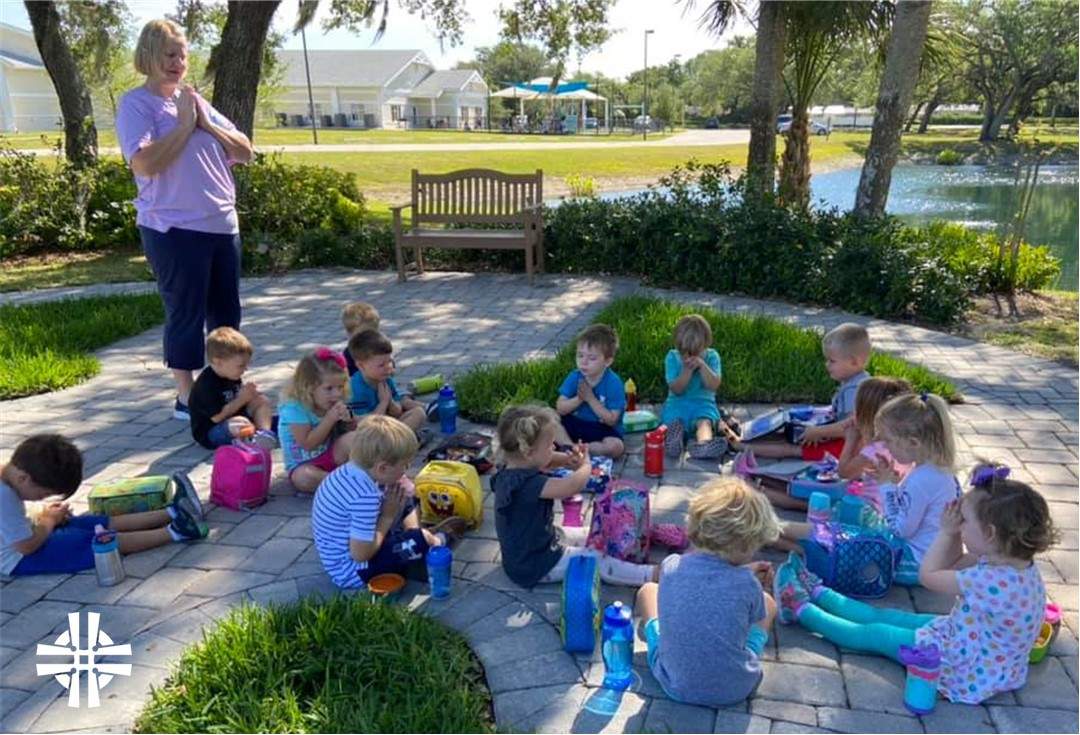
x,y
643,120
783,124
591,123
712,124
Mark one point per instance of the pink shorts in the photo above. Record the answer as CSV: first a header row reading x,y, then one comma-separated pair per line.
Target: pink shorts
x,y
324,462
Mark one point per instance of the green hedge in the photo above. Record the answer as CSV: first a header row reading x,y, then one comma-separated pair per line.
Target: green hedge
x,y
292,216
764,361
704,235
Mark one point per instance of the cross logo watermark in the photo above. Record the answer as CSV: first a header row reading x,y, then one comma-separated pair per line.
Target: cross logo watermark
x,y
98,643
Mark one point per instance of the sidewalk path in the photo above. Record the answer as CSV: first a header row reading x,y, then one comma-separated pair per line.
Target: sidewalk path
x,y
1019,409
685,138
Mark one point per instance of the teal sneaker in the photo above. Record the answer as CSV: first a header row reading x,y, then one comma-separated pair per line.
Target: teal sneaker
x,y
788,591
186,527
186,498
809,581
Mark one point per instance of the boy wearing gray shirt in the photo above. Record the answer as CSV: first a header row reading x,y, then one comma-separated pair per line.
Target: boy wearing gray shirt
x,y
708,619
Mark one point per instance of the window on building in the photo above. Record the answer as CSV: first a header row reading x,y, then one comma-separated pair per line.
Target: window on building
x,y
356,112
397,113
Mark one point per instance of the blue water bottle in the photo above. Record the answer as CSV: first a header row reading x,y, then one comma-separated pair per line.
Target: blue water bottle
x,y
618,647
851,509
448,409
439,559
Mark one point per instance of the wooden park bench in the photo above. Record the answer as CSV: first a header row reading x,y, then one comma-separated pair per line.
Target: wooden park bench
x,y
454,210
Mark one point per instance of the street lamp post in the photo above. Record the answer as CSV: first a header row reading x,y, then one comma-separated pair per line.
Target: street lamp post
x,y
645,96
311,101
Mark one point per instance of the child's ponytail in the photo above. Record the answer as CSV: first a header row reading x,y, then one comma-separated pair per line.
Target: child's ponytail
x,y
520,427
925,418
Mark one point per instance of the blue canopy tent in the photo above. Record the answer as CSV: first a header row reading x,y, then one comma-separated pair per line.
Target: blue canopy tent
x,y
540,88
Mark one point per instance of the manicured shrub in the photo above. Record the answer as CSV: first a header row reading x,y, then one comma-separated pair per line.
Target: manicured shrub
x,y
704,235
949,157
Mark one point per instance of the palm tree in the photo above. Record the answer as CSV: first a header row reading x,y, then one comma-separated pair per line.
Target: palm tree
x,y
894,97
817,32
765,94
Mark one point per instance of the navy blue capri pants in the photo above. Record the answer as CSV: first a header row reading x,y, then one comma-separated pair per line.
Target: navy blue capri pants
x,y
198,277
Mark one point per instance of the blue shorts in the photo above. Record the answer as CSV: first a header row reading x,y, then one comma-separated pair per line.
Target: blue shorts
x,y
580,430
219,435
66,550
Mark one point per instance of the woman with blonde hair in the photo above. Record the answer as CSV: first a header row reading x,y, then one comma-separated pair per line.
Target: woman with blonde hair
x,y
180,150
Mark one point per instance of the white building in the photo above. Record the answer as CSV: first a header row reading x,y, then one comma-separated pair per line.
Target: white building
x,y
379,89
28,101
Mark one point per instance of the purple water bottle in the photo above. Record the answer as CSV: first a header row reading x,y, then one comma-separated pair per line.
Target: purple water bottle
x,y
818,515
923,671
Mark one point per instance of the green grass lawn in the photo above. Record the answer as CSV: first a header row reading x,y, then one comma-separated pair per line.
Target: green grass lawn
x,y
344,665
74,269
337,136
44,347
764,361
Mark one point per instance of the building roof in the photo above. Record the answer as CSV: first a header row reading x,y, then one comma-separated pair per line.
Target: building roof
x,y
453,80
19,62
364,68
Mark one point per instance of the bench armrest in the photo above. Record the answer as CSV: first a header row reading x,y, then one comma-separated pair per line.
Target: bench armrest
x,y
399,207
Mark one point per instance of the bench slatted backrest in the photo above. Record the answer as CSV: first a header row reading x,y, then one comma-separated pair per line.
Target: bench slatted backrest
x,y
474,195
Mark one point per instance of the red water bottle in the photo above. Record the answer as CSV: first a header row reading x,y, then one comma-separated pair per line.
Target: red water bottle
x,y
654,451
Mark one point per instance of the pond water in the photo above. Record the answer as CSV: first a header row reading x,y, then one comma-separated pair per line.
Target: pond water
x,y
977,196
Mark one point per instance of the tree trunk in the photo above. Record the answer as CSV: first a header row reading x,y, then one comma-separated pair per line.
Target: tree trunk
x,y
80,134
765,98
994,117
237,61
894,96
795,163
911,118
924,124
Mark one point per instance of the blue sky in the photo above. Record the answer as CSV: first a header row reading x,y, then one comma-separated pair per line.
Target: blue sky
x,y
674,32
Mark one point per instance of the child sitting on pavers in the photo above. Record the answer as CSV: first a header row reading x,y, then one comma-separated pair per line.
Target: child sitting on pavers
x,y
986,639
373,388
592,398
861,449
315,424
357,316
365,519
692,372
222,406
57,542
916,430
847,351
532,550
707,621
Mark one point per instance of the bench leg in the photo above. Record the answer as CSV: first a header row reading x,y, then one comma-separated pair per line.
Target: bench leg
x,y
400,261
540,251
529,263
419,260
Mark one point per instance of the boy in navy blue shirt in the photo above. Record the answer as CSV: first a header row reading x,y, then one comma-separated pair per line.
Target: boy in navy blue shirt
x,y
592,398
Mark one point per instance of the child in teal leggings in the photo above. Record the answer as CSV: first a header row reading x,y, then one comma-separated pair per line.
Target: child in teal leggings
x,y
986,639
